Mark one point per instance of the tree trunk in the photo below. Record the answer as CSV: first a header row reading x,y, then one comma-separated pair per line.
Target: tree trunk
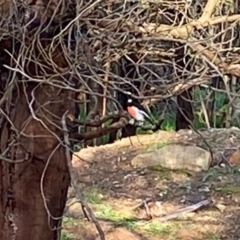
x,y
35,188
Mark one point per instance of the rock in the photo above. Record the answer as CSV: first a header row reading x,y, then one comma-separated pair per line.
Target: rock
x,y
71,193
235,158
221,207
121,234
73,209
175,156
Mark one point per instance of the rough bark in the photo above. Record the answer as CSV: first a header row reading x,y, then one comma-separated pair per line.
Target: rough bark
x,y
36,186
23,214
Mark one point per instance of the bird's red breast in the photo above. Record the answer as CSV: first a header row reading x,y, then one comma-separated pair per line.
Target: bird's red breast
x,y
131,111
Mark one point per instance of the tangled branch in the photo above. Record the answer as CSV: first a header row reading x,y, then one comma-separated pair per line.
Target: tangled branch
x,y
74,180
61,54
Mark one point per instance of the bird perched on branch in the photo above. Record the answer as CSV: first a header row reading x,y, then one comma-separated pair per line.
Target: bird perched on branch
x,y
137,111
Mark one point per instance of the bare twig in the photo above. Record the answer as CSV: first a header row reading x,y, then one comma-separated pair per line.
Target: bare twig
x,y
74,180
97,122
145,204
123,121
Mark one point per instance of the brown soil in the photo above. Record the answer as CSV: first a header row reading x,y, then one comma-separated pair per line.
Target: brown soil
x,y
108,169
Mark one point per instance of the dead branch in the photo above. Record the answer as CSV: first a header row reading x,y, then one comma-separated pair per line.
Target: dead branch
x,y
95,111
95,122
123,121
213,58
181,211
177,89
141,45
183,32
208,10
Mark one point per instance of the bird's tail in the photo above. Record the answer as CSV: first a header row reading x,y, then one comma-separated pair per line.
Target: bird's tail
x,y
148,118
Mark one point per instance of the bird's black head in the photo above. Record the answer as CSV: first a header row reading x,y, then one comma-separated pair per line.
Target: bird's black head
x,y
129,102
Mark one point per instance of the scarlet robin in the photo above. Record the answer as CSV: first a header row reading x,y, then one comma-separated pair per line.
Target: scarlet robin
x,y
137,111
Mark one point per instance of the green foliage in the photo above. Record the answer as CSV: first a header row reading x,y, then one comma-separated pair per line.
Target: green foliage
x,y
214,104
67,221
67,236
216,108
82,112
123,219
220,108
169,123
107,212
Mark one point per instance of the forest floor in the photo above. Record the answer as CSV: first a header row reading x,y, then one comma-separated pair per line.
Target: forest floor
x,y
113,189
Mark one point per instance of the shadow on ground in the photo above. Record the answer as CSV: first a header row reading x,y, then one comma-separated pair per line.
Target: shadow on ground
x,y
114,189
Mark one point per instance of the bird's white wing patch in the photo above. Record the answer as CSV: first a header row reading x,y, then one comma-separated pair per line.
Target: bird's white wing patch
x,y
132,121
139,115
145,114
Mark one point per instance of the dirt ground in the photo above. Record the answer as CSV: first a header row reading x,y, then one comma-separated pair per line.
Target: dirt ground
x,y
114,190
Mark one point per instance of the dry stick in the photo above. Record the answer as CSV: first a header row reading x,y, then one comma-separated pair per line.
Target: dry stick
x,y
188,209
205,112
103,131
97,122
145,204
130,140
208,10
105,82
74,180
137,139
141,204
128,137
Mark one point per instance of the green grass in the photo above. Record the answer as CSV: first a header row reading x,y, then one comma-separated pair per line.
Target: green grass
x,y
67,236
219,107
68,221
213,237
228,189
105,211
93,196
123,218
154,228
120,219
